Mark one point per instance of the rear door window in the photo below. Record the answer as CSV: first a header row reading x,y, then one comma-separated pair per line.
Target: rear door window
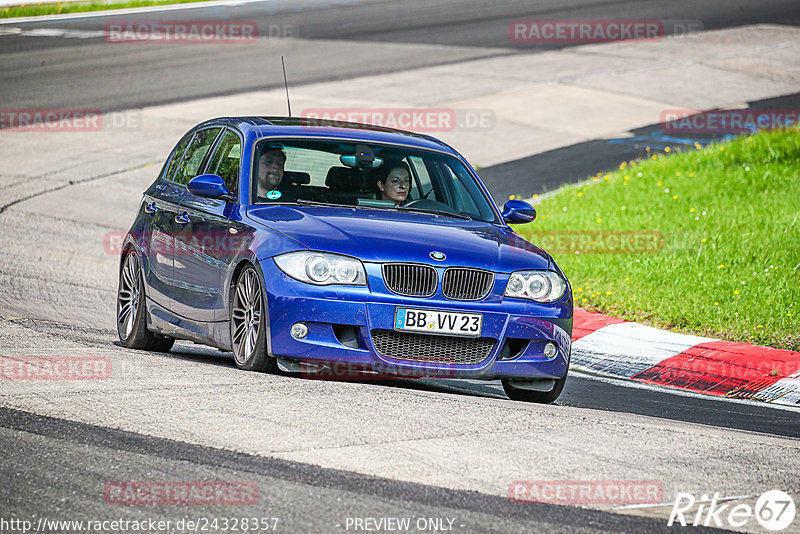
x,y
190,165
226,160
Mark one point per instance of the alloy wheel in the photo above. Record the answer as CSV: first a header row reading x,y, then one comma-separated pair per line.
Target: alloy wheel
x,y
246,316
128,297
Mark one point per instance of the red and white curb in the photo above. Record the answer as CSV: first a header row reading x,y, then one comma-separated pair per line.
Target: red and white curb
x,y
621,349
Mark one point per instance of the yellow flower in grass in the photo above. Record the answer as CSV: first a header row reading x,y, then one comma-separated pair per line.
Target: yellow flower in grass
x,y
667,149
716,304
703,240
584,300
674,197
722,149
736,292
720,266
608,292
691,175
580,194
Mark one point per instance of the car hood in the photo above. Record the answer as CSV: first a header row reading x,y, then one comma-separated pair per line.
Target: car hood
x,y
379,235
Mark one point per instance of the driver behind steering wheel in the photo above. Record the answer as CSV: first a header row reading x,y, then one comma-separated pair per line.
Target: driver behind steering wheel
x,y
395,183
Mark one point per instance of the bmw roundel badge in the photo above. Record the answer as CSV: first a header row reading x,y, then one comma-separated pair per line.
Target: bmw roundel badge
x,y
438,256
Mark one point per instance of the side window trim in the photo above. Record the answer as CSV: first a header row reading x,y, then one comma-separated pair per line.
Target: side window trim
x,y
212,152
183,155
205,160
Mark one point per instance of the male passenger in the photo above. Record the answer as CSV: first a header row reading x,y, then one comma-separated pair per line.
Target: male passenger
x,y
270,171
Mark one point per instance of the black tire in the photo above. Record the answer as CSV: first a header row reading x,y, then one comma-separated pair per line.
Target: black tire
x,y
131,318
529,395
247,324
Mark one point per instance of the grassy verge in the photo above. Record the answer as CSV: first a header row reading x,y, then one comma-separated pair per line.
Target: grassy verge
x,y
39,9
716,233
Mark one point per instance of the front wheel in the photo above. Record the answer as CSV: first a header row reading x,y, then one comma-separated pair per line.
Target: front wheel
x,y
131,321
531,395
248,331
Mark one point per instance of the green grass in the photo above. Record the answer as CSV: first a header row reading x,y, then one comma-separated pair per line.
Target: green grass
x,y
729,216
39,9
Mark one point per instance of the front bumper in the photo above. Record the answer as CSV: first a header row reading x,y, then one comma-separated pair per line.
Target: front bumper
x,y
330,310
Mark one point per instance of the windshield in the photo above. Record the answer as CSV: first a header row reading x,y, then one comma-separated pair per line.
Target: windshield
x,y
368,176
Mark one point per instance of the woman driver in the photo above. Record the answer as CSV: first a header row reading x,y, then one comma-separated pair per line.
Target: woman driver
x,y
395,184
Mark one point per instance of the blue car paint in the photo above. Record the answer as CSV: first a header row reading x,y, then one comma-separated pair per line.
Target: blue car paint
x,y
192,301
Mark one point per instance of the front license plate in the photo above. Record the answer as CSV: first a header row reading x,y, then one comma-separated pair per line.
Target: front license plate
x,y
438,322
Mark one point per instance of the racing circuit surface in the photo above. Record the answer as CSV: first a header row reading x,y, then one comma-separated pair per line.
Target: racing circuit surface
x,y
320,452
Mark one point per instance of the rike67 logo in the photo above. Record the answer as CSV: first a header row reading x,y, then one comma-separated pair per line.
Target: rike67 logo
x,y
774,510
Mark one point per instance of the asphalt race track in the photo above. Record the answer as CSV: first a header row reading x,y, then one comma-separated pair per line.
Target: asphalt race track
x,y
321,453
356,38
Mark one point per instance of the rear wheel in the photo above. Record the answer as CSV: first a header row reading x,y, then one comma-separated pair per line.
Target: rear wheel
x,y
248,331
531,395
131,321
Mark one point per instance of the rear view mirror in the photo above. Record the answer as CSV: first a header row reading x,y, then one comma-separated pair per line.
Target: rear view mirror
x,y
209,186
518,212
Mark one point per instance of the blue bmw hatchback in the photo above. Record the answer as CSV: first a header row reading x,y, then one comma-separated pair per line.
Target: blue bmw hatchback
x,y
309,245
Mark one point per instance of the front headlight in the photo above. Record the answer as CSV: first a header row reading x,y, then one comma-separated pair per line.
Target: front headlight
x,y
541,286
322,268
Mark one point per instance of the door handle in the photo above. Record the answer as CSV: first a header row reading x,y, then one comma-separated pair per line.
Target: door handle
x,y
151,208
183,218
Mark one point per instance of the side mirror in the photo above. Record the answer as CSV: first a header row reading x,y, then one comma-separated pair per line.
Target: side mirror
x,y
210,186
518,212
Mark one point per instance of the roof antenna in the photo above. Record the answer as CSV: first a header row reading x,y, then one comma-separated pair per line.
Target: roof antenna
x,y
286,84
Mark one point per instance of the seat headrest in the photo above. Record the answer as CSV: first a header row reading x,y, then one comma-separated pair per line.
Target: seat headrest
x,y
341,179
296,178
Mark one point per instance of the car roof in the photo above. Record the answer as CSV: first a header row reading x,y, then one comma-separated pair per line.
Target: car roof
x,y
256,127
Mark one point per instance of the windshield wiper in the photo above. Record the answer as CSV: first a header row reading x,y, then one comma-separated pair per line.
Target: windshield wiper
x,y
305,202
436,212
